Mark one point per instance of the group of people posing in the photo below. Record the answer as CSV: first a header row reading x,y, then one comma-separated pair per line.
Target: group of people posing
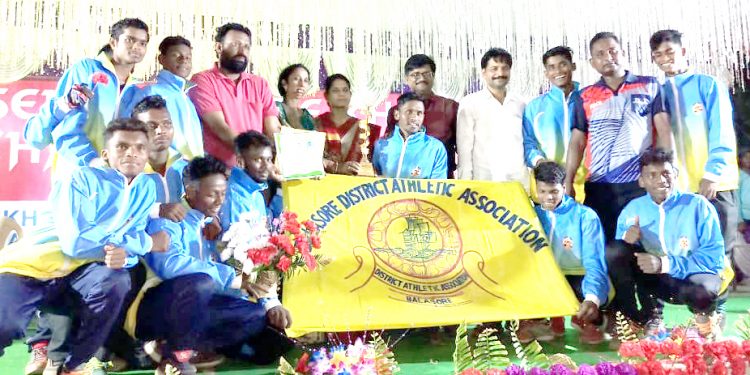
x,y
148,175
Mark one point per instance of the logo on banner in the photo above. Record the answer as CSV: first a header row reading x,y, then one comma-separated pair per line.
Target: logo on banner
x,y
415,248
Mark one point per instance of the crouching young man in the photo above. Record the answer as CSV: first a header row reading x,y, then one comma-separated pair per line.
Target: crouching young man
x,y
669,246
79,265
577,239
193,308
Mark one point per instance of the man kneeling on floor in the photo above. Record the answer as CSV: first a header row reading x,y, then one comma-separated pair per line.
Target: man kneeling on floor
x,y
78,266
669,246
577,239
193,308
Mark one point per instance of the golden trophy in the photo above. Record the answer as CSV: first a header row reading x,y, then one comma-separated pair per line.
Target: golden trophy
x,y
365,167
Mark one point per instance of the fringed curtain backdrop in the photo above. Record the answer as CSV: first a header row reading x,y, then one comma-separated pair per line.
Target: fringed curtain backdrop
x,y
369,41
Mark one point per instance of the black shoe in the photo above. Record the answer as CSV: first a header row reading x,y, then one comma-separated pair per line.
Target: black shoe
x,y
269,345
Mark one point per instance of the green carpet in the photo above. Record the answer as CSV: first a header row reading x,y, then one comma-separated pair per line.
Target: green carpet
x,y
416,356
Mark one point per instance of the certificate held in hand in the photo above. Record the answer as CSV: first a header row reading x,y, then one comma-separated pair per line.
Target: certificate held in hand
x,y
299,153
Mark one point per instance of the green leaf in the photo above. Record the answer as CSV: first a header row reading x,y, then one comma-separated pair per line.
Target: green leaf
x,y
489,352
285,368
462,357
743,326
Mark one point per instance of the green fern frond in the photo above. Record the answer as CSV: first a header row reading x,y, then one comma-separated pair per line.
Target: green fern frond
x,y
534,356
743,326
462,357
623,329
385,361
489,351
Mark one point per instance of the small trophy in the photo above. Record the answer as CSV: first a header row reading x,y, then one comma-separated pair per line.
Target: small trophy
x,y
365,167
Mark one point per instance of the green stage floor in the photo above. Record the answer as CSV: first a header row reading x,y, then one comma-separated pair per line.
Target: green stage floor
x,y
416,356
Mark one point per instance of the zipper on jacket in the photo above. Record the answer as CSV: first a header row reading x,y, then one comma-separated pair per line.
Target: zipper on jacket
x,y
403,153
662,219
123,204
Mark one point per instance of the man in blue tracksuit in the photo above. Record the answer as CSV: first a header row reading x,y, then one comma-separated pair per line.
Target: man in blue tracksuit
x,y
548,118
577,239
194,307
669,246
175,56
86,100
99,232
251,190
409,152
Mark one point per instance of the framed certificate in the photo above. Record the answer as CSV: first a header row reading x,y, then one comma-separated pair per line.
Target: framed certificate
x,y
299,153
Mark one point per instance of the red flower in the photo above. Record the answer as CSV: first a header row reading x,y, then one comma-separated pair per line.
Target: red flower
x,y
302,366
310,261
302,245
471,371
650,349
99,77
315,239
738,365
733,349
717,349
495,371
292,227
631,349
691,347
655,368
309,225
746,347
669,347
718,368
695,365
642,369
289,216
284,263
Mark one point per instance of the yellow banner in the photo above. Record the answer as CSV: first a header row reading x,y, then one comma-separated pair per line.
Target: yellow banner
x,y
419,253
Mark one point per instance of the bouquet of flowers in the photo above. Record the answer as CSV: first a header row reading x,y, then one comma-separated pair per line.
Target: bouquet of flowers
x,y
373,358
283,247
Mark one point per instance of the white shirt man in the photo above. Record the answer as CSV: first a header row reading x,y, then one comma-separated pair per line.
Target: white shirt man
x,y
489,127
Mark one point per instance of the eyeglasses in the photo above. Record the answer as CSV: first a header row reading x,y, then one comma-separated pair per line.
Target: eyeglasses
x,y
416,75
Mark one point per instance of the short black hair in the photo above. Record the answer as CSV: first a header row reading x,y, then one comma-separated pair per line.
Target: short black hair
x,y
284,76
603,35
222,31
202,166
149,102
656,155
172,41
418,61
124,124
119,27
407,97
662,36
332,78
497,54
549,172
563,51
251,138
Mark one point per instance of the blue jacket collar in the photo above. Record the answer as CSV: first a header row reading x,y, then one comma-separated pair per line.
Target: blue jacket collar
x,y
558,92
414,137
168,78
244,179
670,201
565,205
